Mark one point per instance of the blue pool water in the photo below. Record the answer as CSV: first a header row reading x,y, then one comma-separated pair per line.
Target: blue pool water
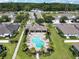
x,y
38,42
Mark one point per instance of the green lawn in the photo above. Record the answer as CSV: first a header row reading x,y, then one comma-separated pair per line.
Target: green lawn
x,y
57,14
61,50
50,14
10,50
11,46
21,54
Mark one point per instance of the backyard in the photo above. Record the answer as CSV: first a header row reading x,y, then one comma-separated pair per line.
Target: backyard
x,y
11,46
61,50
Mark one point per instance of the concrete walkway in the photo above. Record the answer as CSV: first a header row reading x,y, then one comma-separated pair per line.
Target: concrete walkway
x,y
37,56
4,41
77,57
71,41
12,21
18,45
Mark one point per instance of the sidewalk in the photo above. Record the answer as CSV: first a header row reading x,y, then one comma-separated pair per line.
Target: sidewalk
x,y
4,41
18,45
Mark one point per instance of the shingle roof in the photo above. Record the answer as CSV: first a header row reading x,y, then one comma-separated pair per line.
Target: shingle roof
x,y
36,27
12,27
8,28
69,28
3,29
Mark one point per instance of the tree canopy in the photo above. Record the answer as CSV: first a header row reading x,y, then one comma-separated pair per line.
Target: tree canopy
x,y
43,6
63,18
4,18
21,16
48,19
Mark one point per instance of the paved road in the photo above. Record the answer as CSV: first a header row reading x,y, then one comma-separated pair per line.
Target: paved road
x,y
18,45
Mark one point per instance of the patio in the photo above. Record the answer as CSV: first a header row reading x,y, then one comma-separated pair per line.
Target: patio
x,y
42,36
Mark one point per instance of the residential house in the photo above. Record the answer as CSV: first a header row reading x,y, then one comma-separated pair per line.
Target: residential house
x,y
69,29
8,29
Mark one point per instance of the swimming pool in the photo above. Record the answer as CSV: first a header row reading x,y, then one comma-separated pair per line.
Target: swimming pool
x,y
38,42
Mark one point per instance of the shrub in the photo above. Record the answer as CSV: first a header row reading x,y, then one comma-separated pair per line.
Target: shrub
x,y
48,19
63,18
5,19
39,20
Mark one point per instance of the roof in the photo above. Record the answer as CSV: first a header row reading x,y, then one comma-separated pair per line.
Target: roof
x,y
3,29
36,27
76,46
8,28
31,15
12,27
69,28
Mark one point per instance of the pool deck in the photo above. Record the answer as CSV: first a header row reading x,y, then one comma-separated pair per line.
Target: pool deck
x,y
32,35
